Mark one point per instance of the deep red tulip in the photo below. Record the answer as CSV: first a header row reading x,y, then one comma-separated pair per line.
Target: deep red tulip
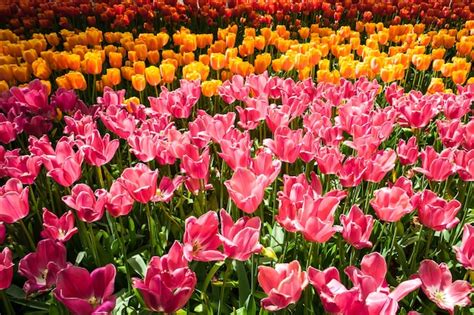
x,y
6,268
13,201
59,229
88,204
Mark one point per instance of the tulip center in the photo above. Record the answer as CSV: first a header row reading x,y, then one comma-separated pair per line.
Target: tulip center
x,y
196,247
94,301
41,279
439,296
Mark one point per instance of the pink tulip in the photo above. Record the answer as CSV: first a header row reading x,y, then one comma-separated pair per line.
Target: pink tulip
x,y
352,171
328,286
465,164
63,163
13,201
97,150
438,286
23,167
436,167
144,145
41,267
456,106
85,293
469,135
264,164
3,232
435,212
118,120
249,117
201,238
329,160
286,143
119,202
216,127
379,165
195,164
391,204
140,182
58,229
240,240
416,110
309,147
283,285
451,132
235,154
246,189
234,89
167,187
357,227
6,268
277,116
407,151
168,283
89,205
465,252
80,125
7,130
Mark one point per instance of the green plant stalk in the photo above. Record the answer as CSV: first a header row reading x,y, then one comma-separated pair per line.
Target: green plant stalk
x,y
9,310
28,235
227,272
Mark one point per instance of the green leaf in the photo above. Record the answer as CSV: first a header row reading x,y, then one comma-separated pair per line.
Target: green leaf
x,y
138,264
244,286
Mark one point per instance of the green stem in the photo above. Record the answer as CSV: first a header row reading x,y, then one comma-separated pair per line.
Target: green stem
x,y
9,310
28,235
226,276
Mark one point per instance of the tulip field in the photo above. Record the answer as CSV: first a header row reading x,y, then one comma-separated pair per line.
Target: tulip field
x,y
236,157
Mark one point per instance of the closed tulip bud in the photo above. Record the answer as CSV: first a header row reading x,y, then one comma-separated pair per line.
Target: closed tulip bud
x,y
30,55
141,51
210,88
459,76
436,85
41,69
22,74
114,76
187,58
4,86
63,82
153,57
152,75
167,71
139,67
115,59
138,82
76,80
132,55
262,62
217,61
93,64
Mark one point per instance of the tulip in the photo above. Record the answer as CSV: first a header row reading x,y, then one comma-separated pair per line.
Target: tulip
x,y
3,232
7,130
41,267
283,285
286,144
152,75
264,164
167,187
407,151
236,154
138,82
246,189
328,285
391,204
167,71
86,293
435,212
356,228
118,120
240,240
119,202
210,88
379,165
13,201
451,132
140,182
97,150
352,171
436,167
6,268
59,229
89,205
168,283
465,252
144,145
23,167
438,286
201,238
194,164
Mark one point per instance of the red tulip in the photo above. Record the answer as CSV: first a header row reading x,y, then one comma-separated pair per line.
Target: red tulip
x,y
6,268
168,283
435,212
3,232
41,267
246,189
118,120
357,227
391,204
89,205
85,293
13,201
140,182
119,202
283,285
59,229
201,238
438,286
465,252
240,240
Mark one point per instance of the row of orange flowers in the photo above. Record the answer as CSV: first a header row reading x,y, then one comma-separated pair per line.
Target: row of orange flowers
x,y
370,50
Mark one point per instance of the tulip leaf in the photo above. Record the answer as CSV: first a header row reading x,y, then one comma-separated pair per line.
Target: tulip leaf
x,y
138,264
244,286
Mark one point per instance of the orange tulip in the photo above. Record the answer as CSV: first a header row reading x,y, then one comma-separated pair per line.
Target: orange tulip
x,y
436,85
30,55
141,51
73,62
76,80
53,39
153,57
139,67
132,55
138,82
63,82
127,72
163,39
438,53
167,71
114,76
93,36
204,59
217,61
230,40
41,69
189,42
304,73
437,64
421,62
4,86
259,42
22,74
459,76
304,32
210,88
262,62
324,64
447,69
464,47
152,75
347,69
92,63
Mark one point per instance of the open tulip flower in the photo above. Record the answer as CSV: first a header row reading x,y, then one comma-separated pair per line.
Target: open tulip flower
x,y
216,157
